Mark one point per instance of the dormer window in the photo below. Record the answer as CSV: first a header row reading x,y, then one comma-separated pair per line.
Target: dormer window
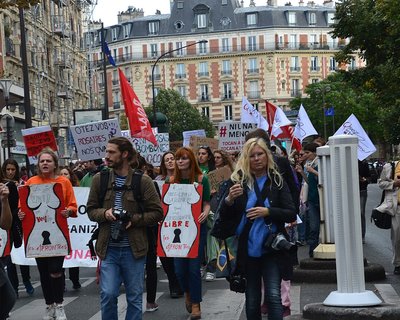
x,y
154,27
127,30
114,34
292,18
252,19
201,20
180,5
312,18
330,18
224,2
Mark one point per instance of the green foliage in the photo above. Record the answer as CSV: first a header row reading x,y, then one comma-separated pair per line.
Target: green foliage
x,y
182,116
123,122
25,4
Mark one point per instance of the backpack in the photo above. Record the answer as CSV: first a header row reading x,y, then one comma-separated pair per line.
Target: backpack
x,y
137,194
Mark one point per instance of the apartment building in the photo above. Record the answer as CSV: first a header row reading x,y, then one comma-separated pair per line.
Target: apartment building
x,y
263,52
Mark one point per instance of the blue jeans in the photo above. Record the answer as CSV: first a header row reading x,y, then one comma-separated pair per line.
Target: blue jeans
x,y
188,270
266,268
312,226
121,266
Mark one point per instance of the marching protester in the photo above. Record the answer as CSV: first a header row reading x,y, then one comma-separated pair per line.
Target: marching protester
x,y
122,242
51,268
7,293
257,206
187,171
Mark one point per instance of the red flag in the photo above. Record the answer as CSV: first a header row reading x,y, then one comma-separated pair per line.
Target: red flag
x,y
139,124
287,131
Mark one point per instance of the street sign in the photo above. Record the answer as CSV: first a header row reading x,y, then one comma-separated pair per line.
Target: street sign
x,y
7,122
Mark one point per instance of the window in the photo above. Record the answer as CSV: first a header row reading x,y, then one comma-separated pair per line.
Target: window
x,y
295,88
224,2
126,53
252,43
352,64
313,40
283,85
312,18
294,63
127,30
314,80
114,34
226,67
180,5
116,100
203,69
225,45
251,19
253,90
205,111
227,90
180,71
292,18
202,48
128,74
201,20
332,64
178,46
255,105
228,112
204,92
156,91
154,27
293,41
115,78
282,64
331,18
153,50
182,91
314,64
253,65
157,75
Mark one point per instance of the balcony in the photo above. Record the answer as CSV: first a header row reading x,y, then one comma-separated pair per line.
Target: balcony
x,y
63,61
294,69
101,85
315,69
115,82
64,92
295,93
253,94
204,97
61,3
60,27
157,77
227,96
203,74
226,72
180,76
253,71
117,105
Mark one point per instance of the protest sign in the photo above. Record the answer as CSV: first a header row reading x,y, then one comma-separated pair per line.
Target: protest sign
x,y
179,232
35,139
175,145
45,229
187,134
231,134
196,142
91,138
4,243
216,177
81,230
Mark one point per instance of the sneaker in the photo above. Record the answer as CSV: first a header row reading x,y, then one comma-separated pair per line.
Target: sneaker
x,y
202,271
158,263
151,307
50,313
76,285
210,276
28,287
396,270
60,312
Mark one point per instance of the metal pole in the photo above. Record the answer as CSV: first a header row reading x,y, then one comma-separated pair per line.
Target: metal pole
x,y
103,41
152,76
323,109
8,136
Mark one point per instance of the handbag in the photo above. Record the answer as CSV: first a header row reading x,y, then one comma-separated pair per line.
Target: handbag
x,y
381,219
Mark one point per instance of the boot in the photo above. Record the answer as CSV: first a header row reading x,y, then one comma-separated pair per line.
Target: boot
x,y
196,312
188,302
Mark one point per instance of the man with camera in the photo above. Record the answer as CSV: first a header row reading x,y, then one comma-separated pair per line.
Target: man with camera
x,y
122,242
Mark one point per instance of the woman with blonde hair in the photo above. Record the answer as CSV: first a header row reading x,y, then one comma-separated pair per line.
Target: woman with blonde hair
x,y
256,208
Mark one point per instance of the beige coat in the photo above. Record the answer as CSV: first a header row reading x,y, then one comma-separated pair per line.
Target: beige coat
x,y
385,182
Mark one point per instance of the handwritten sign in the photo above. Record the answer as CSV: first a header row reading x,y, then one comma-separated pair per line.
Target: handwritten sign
x,y
149,151
216,177
91,138
175,145
187,134
45,229
196,142
36,139
179,232
231,135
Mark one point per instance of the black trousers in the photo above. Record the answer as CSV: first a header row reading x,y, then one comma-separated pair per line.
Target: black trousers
x,y
53,288
7,294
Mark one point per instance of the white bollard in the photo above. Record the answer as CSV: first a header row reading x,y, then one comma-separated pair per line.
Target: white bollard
x,y
347,226
324,177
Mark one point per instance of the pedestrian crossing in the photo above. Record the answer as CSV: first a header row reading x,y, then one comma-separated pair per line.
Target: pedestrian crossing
x,y
217,304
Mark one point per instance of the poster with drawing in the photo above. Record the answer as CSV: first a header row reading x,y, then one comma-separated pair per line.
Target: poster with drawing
x,y
4,243
179,231
45,229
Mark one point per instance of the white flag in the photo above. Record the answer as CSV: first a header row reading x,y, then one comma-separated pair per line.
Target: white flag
x,y
280,120
304,127
353,127
250,114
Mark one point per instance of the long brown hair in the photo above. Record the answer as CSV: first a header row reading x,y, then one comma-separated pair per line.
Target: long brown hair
x,y
163,167
195,171
226,159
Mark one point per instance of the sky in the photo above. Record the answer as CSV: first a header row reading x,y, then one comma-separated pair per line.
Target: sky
x,y
107,10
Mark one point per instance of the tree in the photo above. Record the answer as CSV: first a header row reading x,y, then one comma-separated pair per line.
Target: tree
x,y
373,28
182,116
24,4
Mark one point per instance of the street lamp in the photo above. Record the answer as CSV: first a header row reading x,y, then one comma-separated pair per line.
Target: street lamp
x,y
6,85
323,90
152,75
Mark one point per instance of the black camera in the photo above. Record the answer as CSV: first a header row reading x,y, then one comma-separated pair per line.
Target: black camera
x,y
237,283
280,243
122,219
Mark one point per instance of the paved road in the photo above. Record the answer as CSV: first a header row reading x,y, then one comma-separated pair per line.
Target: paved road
x,y
218,301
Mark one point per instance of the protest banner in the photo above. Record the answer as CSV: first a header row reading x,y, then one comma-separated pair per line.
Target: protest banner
x,y
187,134
45,229
35,139
196,142
91,138
81,230
231,135
175,145
179,232
216,177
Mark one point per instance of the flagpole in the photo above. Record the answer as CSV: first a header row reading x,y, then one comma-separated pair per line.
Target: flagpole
x,y
103,40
